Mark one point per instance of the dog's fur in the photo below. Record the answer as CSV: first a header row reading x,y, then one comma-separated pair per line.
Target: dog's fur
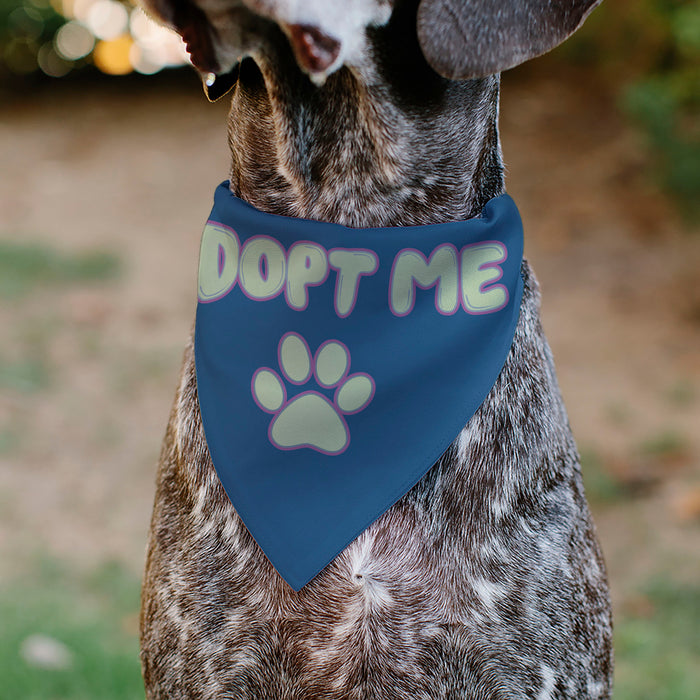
x,y
484,581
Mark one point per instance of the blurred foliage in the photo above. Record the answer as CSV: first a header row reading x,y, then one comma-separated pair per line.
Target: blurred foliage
x,y
667,104
57,37
648,51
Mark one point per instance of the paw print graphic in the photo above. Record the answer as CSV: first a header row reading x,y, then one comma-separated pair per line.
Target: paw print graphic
x,y
310,419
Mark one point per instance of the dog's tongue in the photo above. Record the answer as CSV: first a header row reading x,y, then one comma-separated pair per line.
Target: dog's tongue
x,y
314,50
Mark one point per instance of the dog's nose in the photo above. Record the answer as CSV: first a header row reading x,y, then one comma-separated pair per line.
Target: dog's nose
x,y
314,50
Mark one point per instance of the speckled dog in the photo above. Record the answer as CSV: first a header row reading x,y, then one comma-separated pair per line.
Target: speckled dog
x,y
485,580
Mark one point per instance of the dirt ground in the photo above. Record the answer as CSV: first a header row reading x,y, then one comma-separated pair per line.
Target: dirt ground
x,y
132,171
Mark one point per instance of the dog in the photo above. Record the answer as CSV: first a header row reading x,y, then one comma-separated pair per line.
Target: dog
x,y
486,579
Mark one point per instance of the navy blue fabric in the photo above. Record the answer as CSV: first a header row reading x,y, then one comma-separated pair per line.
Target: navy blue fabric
x,y
303,490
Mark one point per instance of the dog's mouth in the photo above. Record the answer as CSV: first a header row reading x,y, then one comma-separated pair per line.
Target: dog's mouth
x,y
315,52
218,40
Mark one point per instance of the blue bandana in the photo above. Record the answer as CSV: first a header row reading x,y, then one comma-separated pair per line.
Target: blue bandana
x,y
335,365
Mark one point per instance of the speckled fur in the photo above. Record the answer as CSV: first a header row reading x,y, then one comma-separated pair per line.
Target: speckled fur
x,y
486,580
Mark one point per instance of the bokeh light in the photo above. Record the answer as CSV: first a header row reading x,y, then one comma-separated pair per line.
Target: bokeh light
x,y
112,56
58,36
74,40
52,63
107,19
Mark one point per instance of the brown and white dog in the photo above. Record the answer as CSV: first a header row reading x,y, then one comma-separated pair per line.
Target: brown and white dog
x,y
486,579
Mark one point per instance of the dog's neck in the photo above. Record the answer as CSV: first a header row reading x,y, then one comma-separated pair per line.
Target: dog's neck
x,y
390,144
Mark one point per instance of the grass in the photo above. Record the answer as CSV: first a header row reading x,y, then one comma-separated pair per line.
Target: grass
x,y
658,652
665,444
618,413
25,266
10,439
659,452
601,486
25,376
681,394
95,618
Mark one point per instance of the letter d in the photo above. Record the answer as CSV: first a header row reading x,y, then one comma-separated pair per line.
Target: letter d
x,y
218,262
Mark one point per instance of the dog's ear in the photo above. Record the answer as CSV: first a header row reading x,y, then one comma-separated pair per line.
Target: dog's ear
x,y
473,38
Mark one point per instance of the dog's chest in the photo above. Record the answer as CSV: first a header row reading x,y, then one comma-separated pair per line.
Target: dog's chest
x,y
479,582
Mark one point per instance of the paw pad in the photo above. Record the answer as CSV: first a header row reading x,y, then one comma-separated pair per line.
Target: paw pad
x,y
310,419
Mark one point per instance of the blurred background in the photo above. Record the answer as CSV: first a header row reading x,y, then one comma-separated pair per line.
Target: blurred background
x,y
109,155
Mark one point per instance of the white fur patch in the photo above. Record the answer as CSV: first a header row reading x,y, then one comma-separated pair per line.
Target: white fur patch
x,y
548,681
488,592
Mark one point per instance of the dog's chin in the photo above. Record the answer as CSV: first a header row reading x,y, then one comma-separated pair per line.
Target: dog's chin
x,y
216,86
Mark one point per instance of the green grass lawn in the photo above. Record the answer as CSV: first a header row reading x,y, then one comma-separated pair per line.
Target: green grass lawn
x,y
657,650
94,618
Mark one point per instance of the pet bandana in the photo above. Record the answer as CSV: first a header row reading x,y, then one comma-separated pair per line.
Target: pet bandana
x,y
335,365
